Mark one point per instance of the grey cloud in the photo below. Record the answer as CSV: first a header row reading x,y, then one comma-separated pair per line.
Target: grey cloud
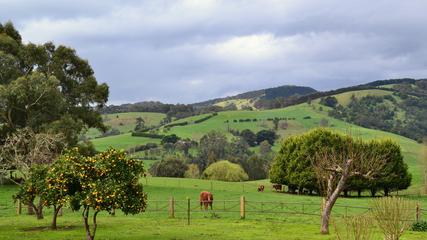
x,y
192,50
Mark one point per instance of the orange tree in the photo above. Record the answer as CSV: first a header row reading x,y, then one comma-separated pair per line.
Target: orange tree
x,y
109,181
62,183
34,188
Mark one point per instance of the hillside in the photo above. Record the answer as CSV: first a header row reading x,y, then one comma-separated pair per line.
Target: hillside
x,y
119,123
300,117
249,98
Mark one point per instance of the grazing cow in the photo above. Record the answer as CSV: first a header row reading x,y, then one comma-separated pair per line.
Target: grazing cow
x,y
206,199
261,188
277,187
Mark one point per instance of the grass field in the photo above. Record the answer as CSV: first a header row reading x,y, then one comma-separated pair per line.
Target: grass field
x,y
125,122
410,148
122,141
344,98
211,225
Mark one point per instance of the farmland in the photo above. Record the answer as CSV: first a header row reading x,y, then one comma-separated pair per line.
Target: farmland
x,y
157,224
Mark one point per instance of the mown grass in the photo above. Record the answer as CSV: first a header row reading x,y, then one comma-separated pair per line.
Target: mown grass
x,y
211,225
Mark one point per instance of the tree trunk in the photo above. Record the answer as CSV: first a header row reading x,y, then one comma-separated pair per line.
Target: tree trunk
x,y
359,193
373,192
332,196
38,210
55,216
30,209
89,235
386,192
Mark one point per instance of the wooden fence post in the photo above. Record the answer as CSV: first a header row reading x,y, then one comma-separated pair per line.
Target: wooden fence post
x,y
188,211
418,213
19,207
242,207
171,207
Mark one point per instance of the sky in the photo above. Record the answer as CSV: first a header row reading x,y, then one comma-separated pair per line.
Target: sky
x,y
186,51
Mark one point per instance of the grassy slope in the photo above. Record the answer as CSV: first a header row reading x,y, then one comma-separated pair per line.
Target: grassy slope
x,y
125,122
410,148
122,141
157,225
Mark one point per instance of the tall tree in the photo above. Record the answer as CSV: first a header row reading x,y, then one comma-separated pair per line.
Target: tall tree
x,y
46,87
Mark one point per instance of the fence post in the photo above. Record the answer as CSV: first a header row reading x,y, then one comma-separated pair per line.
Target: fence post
x,y
242,207
171,207
19,207
418,213
188,211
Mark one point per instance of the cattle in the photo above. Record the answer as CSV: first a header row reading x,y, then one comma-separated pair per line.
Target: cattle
x,y
261,188
206,199
277,187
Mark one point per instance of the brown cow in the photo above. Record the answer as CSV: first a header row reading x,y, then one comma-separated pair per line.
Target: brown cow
x,y
206,199
277,187
261,188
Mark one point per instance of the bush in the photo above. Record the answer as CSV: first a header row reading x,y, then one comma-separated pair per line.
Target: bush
x,y
173,138
419,226
148,135
192,171
176,124
171,166
391,215
225,171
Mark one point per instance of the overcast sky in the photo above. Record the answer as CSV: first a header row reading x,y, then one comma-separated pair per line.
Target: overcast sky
x,y
192,50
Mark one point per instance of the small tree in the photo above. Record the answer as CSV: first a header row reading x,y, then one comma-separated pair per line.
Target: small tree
x,y
268,135
109,180
225,171
171,166
393,215
334,168
62,183
34,188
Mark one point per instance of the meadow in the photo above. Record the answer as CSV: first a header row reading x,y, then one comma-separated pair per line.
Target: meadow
x,y
304,117
216,224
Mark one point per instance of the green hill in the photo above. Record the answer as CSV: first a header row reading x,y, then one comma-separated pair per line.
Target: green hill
x,y
300,117
125,122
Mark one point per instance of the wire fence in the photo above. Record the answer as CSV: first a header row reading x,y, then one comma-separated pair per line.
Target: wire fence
x,y
242,208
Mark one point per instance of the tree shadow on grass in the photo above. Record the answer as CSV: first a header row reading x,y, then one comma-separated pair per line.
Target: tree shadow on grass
x,y
45,228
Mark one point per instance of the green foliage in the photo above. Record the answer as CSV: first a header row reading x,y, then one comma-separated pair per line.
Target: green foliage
x,y
266,135
45,88
419,226
257,167
170,166
225,171
249,137
173,138
292,165
329,101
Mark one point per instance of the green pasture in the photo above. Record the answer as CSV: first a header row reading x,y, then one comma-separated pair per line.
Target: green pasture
x,y
307,116
125,122
122,141
288,223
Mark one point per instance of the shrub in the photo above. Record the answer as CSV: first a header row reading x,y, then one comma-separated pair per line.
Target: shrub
x,y
392,215
148,135
355,228
192,171
419,226
225,171
173,138
171,166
